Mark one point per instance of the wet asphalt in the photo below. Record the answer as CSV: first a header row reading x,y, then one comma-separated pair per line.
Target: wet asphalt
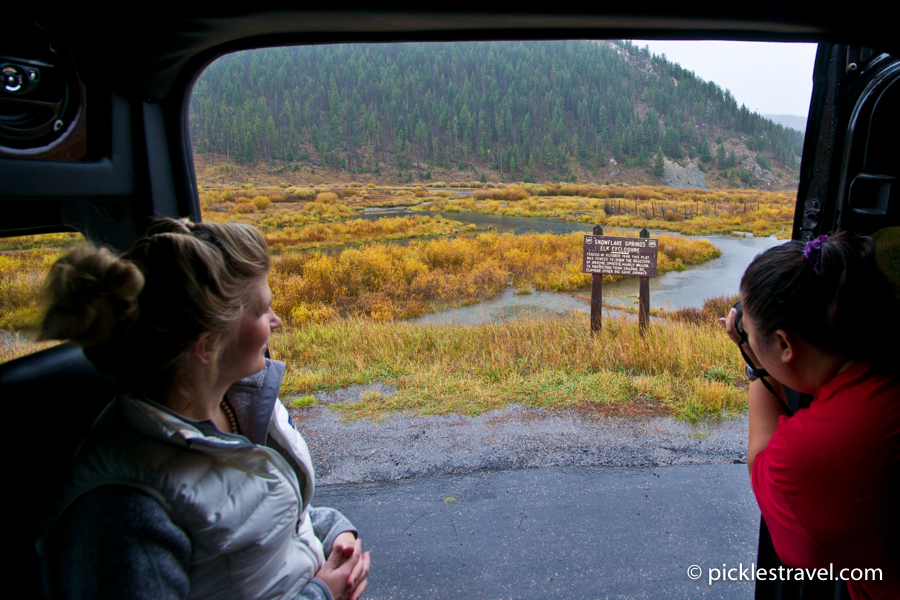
x,y
529,503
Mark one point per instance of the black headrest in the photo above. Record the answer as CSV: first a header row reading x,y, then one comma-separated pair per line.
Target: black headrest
x,y
50,400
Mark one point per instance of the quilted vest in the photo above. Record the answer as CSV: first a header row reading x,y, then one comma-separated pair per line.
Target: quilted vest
x,y
243,504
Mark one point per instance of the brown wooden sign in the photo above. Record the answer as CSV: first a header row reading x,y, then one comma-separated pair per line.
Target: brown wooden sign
x,y
628,256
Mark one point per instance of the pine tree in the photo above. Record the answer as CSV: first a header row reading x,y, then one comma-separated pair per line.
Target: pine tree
x,y
672,143
659,166
705,151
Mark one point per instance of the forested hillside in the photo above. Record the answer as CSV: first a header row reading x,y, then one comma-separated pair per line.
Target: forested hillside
x,y
520,110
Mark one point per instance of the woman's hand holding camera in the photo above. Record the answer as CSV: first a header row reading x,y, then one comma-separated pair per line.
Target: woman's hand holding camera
x,y
731,324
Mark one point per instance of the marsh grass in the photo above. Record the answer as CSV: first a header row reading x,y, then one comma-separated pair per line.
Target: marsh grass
x,y
299,225
356,231
688,370
42,241
14,344
689,212
21,282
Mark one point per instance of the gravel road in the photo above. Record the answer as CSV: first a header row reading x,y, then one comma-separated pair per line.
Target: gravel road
x,y
526,503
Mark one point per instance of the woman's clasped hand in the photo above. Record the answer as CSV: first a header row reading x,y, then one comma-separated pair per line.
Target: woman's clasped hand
x,y
346,571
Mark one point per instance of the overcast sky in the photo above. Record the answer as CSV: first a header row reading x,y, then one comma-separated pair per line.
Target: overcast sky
x,y
770,78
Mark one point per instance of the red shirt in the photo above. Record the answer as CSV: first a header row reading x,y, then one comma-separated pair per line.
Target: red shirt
x,y
828,482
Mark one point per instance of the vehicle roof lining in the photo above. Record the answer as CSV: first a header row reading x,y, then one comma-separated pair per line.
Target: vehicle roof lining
x,y
158,54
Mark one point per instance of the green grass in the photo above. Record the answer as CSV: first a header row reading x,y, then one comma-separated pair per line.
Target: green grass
x,y
303,401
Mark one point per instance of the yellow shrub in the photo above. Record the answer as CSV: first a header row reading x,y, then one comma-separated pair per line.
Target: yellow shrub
x,y
310,313
298,192
262,202
327,198
243,208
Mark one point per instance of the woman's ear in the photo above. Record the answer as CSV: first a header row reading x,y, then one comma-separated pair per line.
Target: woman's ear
x,y
786,344
203,348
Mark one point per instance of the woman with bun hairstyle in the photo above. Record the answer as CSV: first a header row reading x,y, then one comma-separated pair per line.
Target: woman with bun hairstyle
x,y
821,318
193,482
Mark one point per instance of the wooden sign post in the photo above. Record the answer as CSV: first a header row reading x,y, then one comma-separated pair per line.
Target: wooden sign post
x,y
596,294
628,256
644,292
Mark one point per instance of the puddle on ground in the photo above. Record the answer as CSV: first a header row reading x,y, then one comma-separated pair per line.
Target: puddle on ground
x,y
509,306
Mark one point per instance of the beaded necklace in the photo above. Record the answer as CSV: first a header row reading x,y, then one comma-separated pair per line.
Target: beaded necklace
x,y
232,418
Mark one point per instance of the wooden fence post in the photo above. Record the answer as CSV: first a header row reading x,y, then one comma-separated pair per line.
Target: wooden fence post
x,y
644,296
596,294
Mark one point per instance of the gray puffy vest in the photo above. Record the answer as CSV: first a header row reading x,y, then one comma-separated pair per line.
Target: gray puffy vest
x,y
242,504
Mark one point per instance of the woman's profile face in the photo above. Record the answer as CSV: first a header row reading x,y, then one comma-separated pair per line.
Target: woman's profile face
x,y
245,353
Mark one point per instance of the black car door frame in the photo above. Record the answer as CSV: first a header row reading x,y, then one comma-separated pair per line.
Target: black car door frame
x,y
848,174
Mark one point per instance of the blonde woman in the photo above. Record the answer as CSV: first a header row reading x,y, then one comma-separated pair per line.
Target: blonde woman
x,y
193,483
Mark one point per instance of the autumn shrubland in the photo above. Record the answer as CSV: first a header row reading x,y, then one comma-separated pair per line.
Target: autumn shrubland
x,y
386,281
690,212
343,309
379,281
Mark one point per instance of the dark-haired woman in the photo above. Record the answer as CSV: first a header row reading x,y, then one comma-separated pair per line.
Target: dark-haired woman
x,y
821,319
193,483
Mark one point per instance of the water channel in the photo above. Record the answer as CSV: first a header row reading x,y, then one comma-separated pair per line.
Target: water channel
x,y
672,290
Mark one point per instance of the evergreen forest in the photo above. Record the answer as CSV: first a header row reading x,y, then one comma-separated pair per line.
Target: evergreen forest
x,y
524,110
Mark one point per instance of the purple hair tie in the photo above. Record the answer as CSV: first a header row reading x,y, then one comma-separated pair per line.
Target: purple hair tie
x,y
813,253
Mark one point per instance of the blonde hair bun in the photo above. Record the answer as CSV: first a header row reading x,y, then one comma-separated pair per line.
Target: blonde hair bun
x,y
88,293
136,315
